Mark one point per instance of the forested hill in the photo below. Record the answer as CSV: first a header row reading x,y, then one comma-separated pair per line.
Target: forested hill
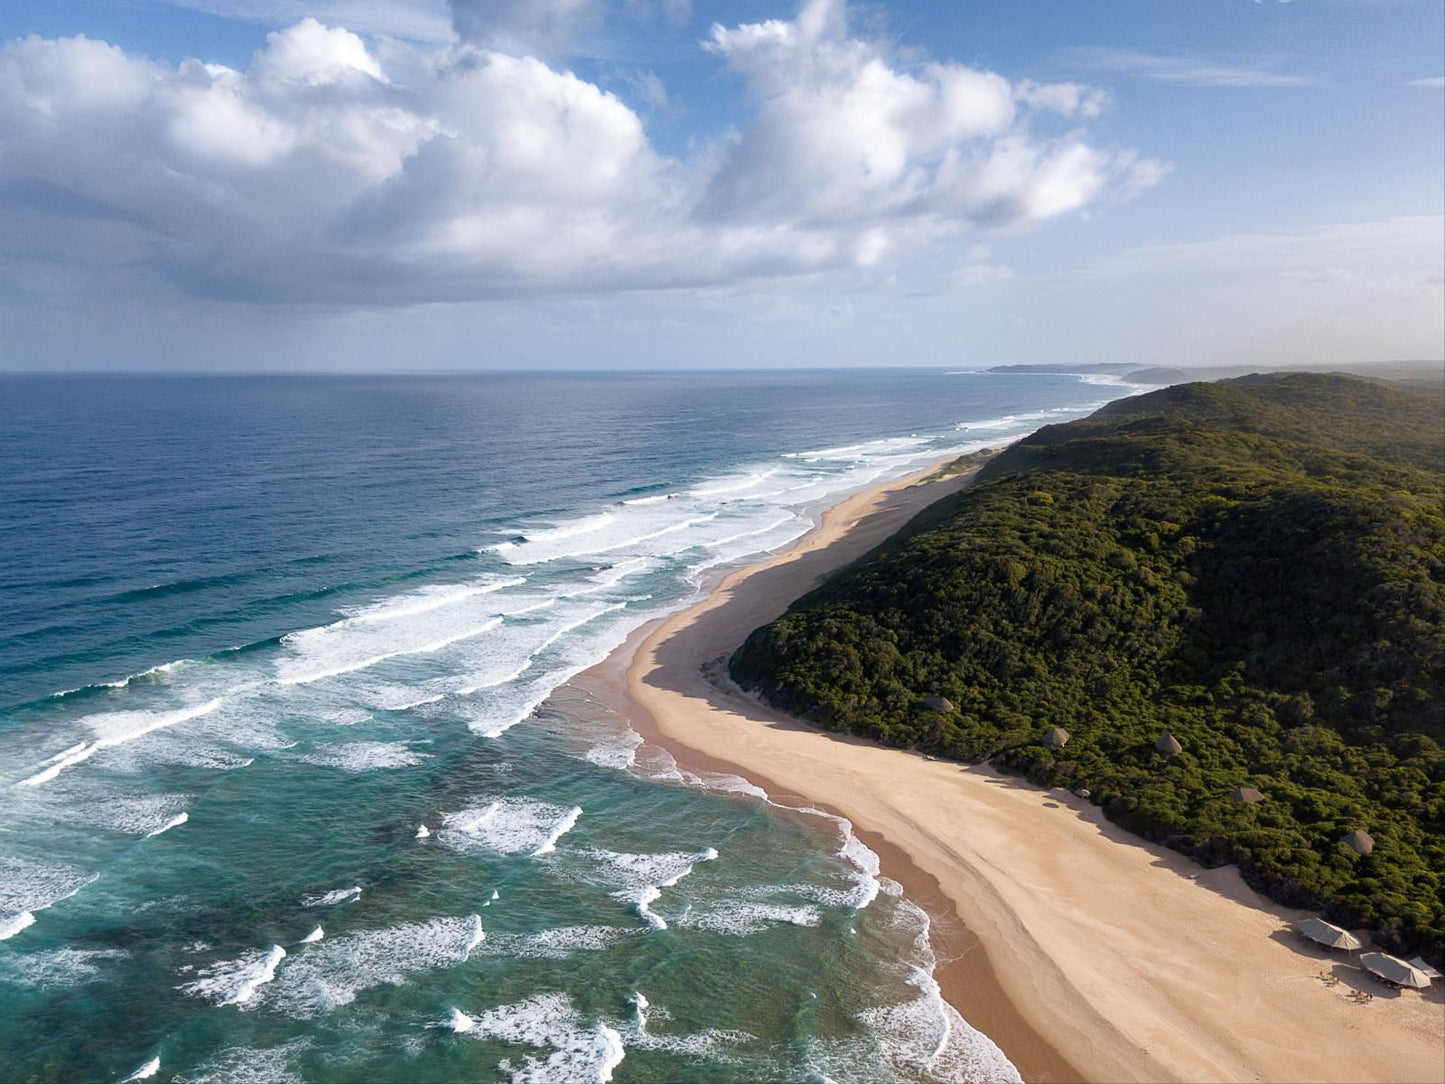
x,y
1255,567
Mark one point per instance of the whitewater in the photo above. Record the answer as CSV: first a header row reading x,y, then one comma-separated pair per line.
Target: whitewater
x,y
285,652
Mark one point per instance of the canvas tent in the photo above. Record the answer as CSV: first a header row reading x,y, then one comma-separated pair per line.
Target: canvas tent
x,y
1317,929
1394,970
1419,964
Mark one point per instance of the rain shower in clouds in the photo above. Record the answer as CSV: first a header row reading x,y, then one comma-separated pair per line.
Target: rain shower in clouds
x,y
378,172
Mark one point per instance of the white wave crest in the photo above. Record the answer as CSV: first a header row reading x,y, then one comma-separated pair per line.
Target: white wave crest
x,y
27,887
425,600
235,982
332,898
579,1054
655,499
739,918
119,811
13,922
117,728
620,754
562,827
364,756
644,876
508,826
153,672
634,534
175,822
338,969
145,1072
926,1035
733,484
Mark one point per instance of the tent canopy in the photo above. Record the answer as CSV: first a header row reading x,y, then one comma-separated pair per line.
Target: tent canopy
x,y
1393,969
1317,929
1419,964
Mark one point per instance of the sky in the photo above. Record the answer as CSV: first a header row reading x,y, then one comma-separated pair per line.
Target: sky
x,y
424,185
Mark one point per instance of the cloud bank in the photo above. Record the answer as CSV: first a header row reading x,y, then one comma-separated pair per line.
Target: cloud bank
x,y
354,173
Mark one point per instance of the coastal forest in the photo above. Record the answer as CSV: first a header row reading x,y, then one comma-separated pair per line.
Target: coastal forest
x,y
1254,569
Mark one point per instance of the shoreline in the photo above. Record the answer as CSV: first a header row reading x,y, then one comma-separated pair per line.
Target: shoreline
x,y
1083,952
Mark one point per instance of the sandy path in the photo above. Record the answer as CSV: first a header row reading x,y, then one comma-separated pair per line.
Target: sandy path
x,y
1134,963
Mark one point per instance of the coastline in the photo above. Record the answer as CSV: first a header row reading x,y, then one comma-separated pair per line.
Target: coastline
x,y
1082,951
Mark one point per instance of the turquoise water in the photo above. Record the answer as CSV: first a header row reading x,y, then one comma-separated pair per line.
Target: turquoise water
x,y
292,785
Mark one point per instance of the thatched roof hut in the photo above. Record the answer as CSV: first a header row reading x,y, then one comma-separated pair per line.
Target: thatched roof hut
x,y
1168,745
1359,841
1056,737
1331,936
938,703
1247,796
1394,970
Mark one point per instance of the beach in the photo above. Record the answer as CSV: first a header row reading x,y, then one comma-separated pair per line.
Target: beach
x,y
1082,951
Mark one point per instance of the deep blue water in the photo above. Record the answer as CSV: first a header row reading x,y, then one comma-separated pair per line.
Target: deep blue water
x,y
254,631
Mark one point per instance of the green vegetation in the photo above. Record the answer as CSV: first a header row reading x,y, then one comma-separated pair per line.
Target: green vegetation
x,y
1256,567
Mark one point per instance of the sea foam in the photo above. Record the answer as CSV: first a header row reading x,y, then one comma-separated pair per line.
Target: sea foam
x,y
116,728
27,887
926,1035
508,826
644,876
580,1054
740,918
57,967
364,756
235,982
145,1072
330,899
559,943
334,972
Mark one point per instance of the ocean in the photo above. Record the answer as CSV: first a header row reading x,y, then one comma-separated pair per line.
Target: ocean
x,y
292,783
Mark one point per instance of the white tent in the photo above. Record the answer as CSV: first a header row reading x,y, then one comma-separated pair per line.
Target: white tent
x,y
1393,969
1419,964
1317,929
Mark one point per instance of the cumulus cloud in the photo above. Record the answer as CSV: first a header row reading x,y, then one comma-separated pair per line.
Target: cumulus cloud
x,y
339,171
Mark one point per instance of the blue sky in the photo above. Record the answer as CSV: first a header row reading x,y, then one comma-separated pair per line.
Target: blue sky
x,y
430,184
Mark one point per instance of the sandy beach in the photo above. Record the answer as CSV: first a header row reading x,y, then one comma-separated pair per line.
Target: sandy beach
x,y
1082,951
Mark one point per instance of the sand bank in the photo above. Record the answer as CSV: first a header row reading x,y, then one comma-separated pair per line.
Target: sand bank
x,y
1082,951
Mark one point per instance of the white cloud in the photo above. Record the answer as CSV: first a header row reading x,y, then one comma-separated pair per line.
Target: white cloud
x,y
413,20
844,134
540,27
1436,82
340,172
1065,99
1194,71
